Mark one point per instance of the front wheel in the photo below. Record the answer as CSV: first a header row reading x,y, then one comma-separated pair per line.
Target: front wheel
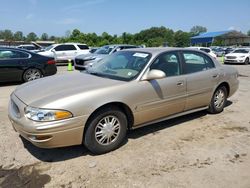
x,y
106,130
246,61
218,101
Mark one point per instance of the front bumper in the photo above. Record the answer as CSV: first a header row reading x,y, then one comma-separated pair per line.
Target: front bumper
x,y
53,134
234,61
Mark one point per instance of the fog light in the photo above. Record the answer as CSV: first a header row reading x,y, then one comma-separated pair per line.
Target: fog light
x,y
40,137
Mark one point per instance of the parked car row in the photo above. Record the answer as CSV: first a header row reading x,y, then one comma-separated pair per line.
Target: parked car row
x,y
221,51
85,61
204,49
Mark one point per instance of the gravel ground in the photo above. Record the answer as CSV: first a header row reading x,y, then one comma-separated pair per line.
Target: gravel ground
x,y
197,150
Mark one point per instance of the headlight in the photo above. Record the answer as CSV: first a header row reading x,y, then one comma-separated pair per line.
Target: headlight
x,y
242,56
38,114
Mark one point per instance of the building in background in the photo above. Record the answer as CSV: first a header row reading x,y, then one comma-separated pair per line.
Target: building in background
x,y
221,38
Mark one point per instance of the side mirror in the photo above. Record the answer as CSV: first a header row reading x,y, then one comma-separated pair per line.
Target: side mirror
x,y
154,75
53,50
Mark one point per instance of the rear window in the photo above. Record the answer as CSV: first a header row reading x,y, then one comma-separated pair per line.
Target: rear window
x,y
65,48
83,47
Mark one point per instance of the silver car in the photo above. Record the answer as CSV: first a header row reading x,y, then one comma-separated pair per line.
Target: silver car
x,y
126,90
86,60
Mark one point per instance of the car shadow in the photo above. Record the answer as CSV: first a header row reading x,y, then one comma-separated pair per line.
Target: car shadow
x,y
55,154
156,127
4,84
66,153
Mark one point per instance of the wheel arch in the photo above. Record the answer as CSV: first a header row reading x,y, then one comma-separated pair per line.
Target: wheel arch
x,y
122,106
226,85
32,67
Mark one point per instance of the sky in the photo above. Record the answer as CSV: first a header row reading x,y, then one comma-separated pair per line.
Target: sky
x,y
56,17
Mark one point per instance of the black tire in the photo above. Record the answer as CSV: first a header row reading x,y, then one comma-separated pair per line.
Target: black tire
x,y
94,134
32,74
217,104
246,61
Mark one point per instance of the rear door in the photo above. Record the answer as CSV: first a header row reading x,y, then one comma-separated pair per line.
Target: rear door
x,y
12,64
202,76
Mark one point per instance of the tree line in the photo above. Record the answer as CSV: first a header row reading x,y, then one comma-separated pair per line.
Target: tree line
x,y
154,36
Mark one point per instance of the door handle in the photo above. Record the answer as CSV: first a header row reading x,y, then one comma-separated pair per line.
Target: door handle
x,y
215,76
180,83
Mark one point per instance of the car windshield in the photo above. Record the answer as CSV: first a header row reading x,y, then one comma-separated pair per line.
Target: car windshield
x,y
242,51
49,48
123,65
104,50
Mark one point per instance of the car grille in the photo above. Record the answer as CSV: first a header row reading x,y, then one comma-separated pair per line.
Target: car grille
x,y
231,57
79,61
15,109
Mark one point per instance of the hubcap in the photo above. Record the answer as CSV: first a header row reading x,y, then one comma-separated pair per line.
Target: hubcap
x,y
32,74
219,98
107,130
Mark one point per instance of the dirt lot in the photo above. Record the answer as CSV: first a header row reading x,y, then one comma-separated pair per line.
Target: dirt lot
x,y
198,150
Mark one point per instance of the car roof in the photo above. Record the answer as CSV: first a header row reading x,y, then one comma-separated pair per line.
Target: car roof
x,y
13,48
18,49
119,45
26,45
154,50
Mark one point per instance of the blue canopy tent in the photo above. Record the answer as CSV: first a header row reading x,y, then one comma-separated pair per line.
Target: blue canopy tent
x,y
207,38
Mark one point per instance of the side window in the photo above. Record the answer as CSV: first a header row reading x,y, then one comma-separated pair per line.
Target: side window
x,y
83,47
168,63
65,48
195,62
10,54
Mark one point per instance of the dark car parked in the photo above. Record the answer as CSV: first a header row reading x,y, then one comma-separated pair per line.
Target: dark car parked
x,y
22,65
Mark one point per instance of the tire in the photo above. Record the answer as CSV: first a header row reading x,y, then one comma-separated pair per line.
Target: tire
x,y
246,61
106,130
31,74
218,101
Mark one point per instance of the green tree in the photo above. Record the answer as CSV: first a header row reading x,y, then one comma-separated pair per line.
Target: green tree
x,y
18,36
52,38
196,30
6,34
182,39
44,36
248,33
31,37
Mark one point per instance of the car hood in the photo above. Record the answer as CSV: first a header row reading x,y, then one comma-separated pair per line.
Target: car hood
x,y
42,92
237,54
46,53
91,56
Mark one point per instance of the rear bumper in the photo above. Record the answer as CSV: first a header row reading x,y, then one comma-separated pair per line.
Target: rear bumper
x,y
53,134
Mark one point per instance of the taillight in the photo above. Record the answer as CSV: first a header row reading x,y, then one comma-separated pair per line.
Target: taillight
x,y
51,62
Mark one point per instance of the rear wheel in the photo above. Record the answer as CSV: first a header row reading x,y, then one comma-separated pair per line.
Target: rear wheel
x,y
246,61
106,130
31,74
218,100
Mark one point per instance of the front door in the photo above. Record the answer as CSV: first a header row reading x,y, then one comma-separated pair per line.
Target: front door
x,y
163,97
